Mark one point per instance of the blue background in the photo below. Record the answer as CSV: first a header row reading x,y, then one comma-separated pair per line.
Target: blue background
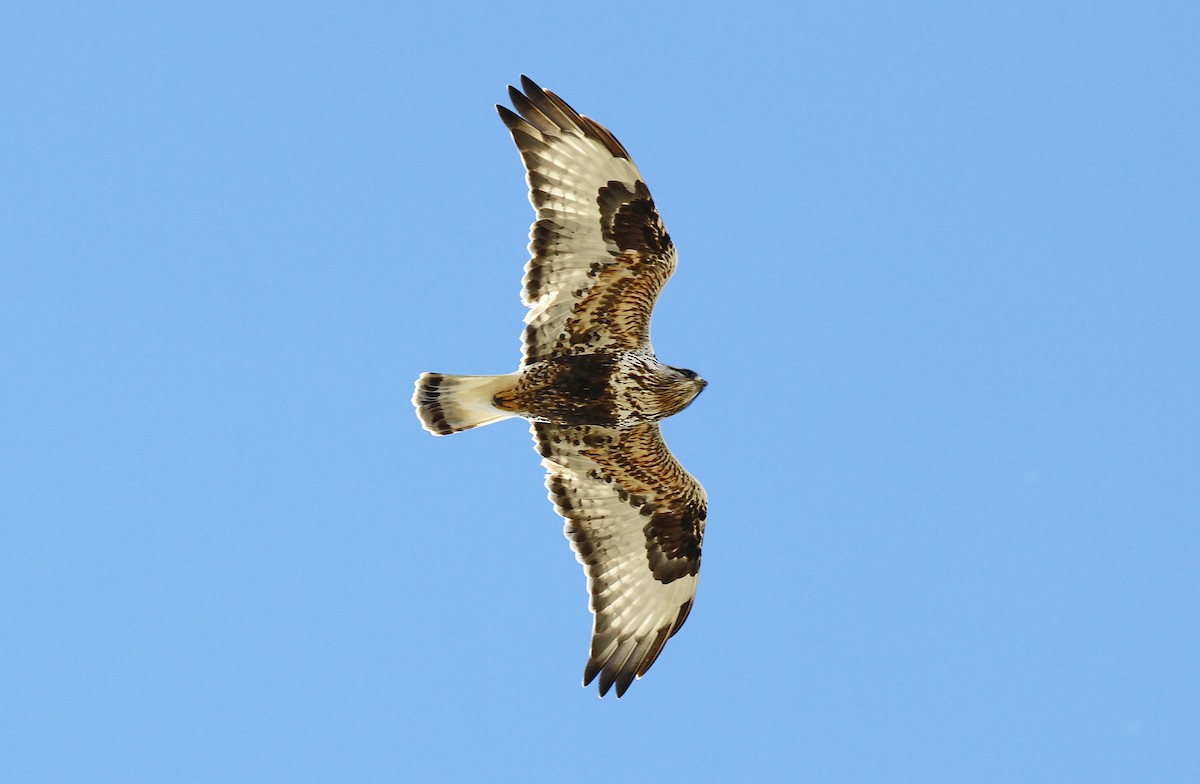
x,y
939,262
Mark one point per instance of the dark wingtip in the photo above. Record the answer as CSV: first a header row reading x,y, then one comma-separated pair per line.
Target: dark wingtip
x,y
528,85
508,116
607,679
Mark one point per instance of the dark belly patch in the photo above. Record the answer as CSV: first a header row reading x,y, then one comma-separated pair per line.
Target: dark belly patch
x,y
569,390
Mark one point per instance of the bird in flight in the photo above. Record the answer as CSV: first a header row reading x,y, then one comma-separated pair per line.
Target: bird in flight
x,y
591,385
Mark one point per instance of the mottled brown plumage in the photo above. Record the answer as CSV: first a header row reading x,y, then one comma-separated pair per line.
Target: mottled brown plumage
x,y
592,386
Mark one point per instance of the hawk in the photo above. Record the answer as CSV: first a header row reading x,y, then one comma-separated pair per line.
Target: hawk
x,y
591,386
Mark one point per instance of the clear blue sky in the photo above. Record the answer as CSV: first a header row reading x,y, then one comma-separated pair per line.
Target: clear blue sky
x,y
940,263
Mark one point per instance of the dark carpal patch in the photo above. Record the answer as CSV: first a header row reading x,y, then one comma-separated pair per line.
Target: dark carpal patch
x,y
673,542
630,221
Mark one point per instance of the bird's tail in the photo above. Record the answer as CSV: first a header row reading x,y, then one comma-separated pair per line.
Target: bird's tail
x,y
447,404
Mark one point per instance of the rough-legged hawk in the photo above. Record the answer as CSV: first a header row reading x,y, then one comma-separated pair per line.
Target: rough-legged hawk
x,y
591,385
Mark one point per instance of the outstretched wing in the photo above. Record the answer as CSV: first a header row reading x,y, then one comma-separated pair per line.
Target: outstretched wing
x,y
635,519
600,254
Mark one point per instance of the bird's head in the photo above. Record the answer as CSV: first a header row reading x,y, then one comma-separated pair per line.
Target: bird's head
x,y
692,376
688,385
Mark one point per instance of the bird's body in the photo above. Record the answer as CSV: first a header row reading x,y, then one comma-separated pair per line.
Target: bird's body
x,y
611,389
592,386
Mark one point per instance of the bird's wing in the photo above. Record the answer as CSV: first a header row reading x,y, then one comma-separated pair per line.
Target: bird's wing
x,y
635,519
599,252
